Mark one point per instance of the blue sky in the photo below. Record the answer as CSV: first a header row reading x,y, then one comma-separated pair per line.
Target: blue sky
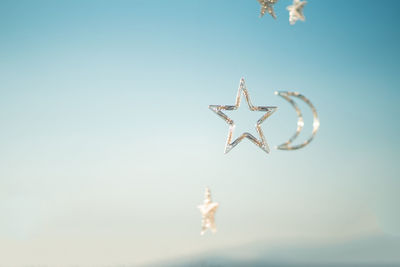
x,y
106,133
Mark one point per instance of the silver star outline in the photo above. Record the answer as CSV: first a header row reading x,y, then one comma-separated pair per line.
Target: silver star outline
x,y
262,143
296,11
208,209
267,5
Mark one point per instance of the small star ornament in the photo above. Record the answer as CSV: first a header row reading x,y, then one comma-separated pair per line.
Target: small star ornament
x,y
267,6
208,209
296,11
261,143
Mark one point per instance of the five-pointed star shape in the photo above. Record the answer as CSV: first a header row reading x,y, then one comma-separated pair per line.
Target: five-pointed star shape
x,y
296,11
262,143
267,5
208,210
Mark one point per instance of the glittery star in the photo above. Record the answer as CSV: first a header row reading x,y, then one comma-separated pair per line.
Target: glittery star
x,y
296,11
262,143
267,5
208,209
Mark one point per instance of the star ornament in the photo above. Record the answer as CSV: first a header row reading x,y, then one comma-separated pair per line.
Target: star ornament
x,y
208,209
267,6
261,143
296,11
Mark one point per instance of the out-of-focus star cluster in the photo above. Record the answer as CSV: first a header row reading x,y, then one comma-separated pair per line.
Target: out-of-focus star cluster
x,y
295,10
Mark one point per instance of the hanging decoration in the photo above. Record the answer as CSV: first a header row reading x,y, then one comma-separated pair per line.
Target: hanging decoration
x,y
267,6
208,209
261,143
269,110
296,11
300,122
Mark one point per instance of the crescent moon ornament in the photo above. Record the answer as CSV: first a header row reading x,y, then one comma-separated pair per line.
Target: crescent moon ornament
x,y
300,122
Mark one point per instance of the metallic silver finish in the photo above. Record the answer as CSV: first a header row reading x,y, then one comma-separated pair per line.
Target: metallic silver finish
x,y
262,143
267,6
208,209
296,11
300,122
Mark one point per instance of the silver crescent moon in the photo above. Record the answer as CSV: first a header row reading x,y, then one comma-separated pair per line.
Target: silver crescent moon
x,y
300,122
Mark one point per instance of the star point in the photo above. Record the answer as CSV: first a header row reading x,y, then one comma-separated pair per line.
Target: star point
x,y
269,110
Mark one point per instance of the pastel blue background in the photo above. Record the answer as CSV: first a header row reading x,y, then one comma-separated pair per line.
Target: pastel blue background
x,y
107,143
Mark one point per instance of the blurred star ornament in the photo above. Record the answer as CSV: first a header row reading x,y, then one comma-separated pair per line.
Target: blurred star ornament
x,y
261,143
208,209
267,6
296,11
